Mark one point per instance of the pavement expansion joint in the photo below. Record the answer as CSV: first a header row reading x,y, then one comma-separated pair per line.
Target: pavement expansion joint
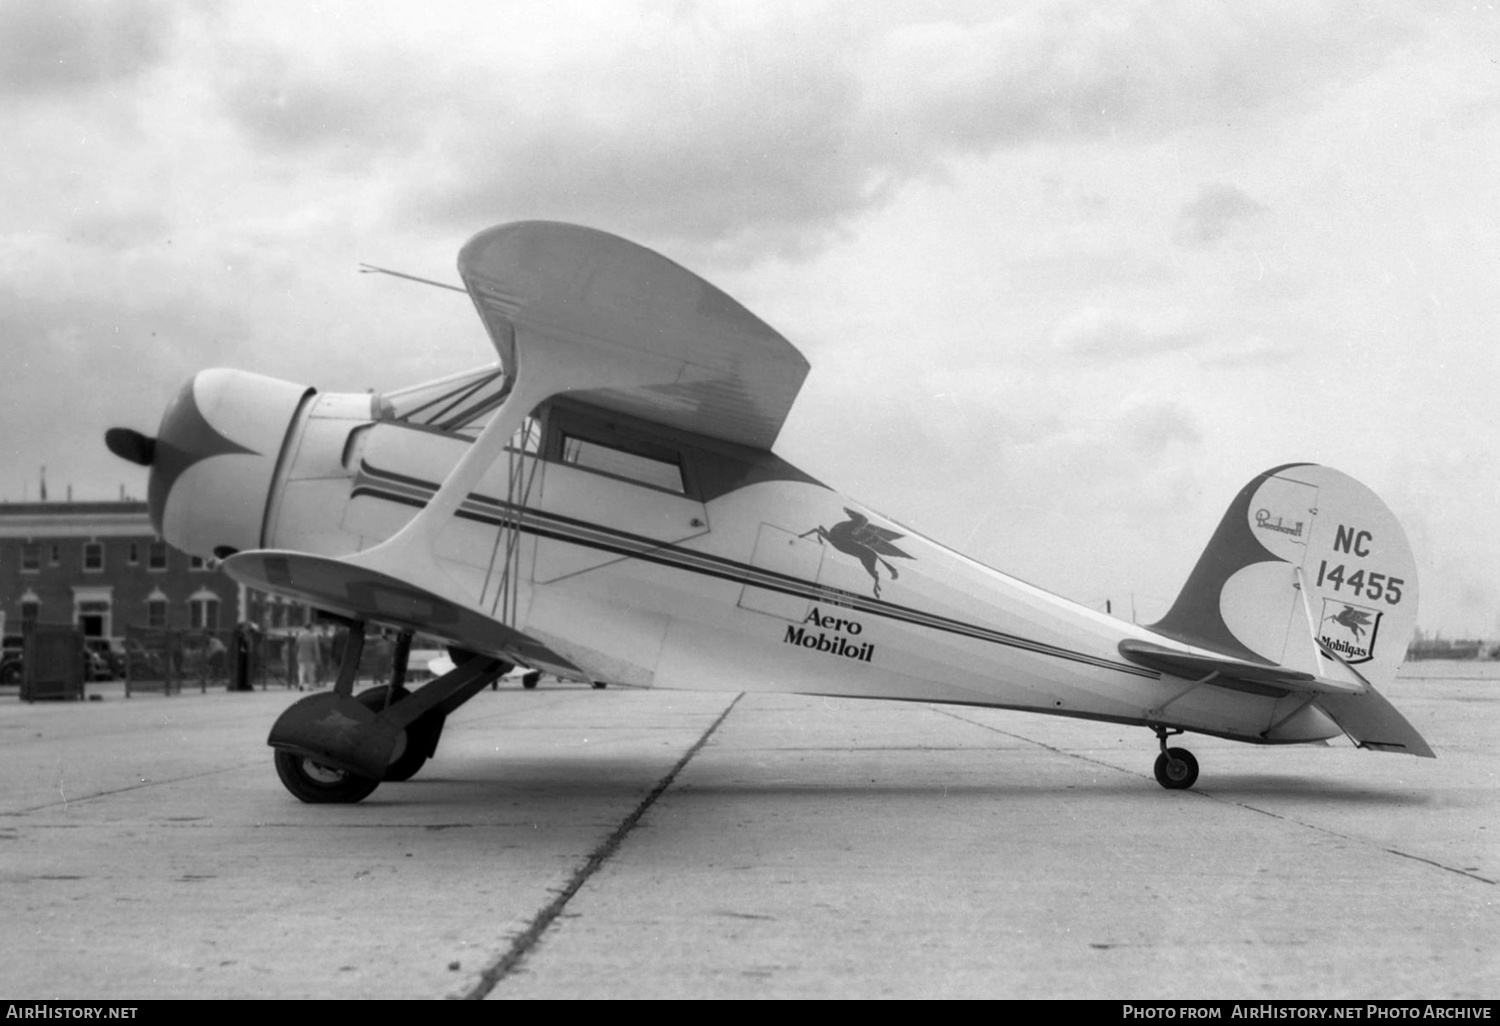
x,y
64,799
1352,839
532,935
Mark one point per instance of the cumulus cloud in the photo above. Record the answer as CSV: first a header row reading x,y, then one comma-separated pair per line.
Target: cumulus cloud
x,y
1152,427
782,126
1213,214
1105,335
756,128
754,142
1248,352
59,46
353,112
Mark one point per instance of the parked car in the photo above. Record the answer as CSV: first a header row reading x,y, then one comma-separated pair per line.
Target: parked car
x,y
102,660
105,660
10,660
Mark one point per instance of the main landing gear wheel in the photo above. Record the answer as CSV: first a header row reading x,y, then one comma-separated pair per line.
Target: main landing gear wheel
x,y
1176,769
318,784
418,741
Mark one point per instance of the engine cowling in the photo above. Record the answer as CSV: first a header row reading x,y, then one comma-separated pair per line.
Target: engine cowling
x,y
214,458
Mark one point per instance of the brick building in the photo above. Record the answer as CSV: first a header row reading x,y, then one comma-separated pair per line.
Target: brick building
x,y
101,566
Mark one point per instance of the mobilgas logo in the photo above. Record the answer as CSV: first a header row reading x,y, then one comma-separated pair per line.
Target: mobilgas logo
x,y
1349,630
837,643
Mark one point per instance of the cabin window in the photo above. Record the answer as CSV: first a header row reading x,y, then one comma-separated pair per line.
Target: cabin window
x,y
661,469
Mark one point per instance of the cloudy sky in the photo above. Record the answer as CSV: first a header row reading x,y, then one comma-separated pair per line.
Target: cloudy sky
x,y
1068,273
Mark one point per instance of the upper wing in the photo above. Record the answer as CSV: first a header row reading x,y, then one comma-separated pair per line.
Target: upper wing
x,y
720,370
570,310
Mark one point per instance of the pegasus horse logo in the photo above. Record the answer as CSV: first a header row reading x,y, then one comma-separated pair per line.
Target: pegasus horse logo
x,y
1355,620
864,541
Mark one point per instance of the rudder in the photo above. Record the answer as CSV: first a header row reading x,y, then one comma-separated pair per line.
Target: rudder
x,y
1307,568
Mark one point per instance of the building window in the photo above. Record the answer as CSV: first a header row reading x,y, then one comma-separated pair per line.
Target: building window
x,y
30,610
93,557
198,563
31,559
133,554
54,557
203,611
156,611
156,559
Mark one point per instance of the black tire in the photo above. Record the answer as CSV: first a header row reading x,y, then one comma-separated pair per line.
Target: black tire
x,y
318,784
529,680
1176,769
10,673
600,685
418,741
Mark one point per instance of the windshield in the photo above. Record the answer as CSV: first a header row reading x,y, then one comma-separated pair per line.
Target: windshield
x,y
460,403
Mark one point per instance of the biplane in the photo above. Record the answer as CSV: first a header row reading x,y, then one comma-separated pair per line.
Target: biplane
x,y
602,503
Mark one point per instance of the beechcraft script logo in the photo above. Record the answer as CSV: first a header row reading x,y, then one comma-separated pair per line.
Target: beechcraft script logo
x,y
1349,630
864,541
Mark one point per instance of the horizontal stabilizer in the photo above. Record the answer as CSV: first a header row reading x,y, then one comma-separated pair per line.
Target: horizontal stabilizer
x,y
1372,722
1258,678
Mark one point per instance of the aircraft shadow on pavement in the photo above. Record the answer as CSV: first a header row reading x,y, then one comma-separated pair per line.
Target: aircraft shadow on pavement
x,y
565,781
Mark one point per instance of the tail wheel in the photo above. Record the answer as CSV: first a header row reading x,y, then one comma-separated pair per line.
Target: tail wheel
x,y
1176,769
319,784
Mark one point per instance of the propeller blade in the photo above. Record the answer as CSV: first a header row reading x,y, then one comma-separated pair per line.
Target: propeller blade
x,y
131,445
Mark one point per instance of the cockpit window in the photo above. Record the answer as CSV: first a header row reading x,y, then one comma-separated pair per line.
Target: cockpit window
x,y
657,469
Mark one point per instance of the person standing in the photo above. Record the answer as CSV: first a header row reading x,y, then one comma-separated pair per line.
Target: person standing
x,y
216,653
309,659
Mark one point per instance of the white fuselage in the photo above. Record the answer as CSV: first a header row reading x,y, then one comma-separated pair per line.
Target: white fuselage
x,y
641,584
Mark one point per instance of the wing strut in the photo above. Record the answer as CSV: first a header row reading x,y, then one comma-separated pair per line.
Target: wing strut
x,y
540,367
1312,624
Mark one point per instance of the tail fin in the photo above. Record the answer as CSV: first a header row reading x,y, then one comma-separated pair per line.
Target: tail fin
x,y
1308,566
1310,571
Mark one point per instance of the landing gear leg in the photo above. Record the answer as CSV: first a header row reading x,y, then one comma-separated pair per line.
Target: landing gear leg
x,y
335,747
1176,769
311,768
419,740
